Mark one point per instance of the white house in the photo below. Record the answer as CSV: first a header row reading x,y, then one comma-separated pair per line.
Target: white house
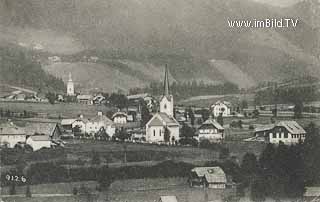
x,y
288,132
221,107
80,123
98,122
11,134
120,118
85,99
156,126
211,130
39,141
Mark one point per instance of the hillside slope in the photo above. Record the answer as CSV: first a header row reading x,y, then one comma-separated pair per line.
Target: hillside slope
x,y
185,34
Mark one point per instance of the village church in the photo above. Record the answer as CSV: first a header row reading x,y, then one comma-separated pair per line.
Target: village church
x,y
164,120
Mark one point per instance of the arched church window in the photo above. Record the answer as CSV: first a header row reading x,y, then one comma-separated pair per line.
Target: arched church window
x,y
165,106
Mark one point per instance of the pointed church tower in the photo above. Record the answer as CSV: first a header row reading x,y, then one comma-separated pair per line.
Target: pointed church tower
x,y
166,101
70,86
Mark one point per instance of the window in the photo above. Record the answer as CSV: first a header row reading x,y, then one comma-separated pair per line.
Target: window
x,y
154,132
274,135
286,135
165,106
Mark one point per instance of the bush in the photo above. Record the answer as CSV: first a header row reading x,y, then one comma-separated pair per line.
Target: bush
x,y
189,141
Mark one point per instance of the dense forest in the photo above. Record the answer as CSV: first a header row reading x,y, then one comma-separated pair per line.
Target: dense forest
x,y
182,90
296,91
19,69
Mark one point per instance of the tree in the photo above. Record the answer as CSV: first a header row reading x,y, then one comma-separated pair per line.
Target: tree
x,y
51,97
258,190
166,135
145,114
28,192
244,104
119,100
12,190
249,164
187,131
298,109
220,119
205,114
121,134
191,116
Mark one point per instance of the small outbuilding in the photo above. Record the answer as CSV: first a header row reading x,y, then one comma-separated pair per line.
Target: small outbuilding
x,y
211,177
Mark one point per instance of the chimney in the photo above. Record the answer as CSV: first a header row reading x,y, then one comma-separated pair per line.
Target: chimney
x,y
81,116
99,113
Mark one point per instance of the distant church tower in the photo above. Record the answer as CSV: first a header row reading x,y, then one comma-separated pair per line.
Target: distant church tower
x,y
166,101
70,86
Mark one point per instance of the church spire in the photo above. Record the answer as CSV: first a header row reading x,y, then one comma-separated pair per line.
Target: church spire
x,y
166,82
70,77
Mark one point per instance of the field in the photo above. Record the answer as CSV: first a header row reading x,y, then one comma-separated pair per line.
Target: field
x,y
68,110
134,190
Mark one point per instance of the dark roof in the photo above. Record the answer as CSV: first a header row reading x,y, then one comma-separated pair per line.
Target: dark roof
x,y
212,174
211,123
40,128
163,119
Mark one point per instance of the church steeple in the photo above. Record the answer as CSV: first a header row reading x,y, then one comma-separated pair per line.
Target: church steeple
x,y
166,82
70,77
70,86
166,102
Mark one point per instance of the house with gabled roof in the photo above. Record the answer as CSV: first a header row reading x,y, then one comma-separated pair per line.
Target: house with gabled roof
x,y
288,132
163,120
51,130
10,135
211,130
211,177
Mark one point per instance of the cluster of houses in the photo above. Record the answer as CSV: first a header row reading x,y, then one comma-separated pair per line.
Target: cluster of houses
x,y
35,134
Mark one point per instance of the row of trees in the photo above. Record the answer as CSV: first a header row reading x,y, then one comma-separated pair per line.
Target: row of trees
x,y
16,114
187,89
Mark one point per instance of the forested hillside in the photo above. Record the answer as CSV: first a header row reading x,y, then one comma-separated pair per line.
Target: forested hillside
x,y
17,68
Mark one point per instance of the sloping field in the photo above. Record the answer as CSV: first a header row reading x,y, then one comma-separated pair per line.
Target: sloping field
x,y
54,111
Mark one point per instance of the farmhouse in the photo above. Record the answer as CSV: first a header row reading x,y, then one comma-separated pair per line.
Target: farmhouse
x,y
288,132
211,130
163,121
11,134
85,99
211,177
67,124
51,130
97,123
80,123
221,107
